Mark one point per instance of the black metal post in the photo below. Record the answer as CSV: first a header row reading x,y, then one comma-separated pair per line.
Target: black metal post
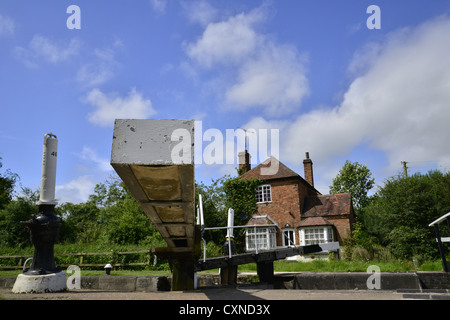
x,y
441,247
44,230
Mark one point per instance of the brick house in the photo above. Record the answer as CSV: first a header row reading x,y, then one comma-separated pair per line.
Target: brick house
x,y
291,211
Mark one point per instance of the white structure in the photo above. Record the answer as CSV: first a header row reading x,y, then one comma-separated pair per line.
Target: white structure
x,y
48,173
51,282
54,282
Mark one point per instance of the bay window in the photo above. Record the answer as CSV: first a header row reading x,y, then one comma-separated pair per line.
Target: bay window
x,y
316,235
260,238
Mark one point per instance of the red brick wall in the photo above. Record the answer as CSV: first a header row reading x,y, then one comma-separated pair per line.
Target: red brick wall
x,y
343,226
285,206
287,197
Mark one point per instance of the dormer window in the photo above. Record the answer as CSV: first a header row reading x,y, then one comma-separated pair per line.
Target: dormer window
x,y
263,193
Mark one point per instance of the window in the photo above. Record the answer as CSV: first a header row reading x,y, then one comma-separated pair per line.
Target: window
x,y
316,235
288,238
263,193
261,238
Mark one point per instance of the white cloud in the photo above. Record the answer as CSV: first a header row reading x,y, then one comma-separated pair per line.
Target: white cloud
x,y
258,71
43,48
275,81
201,11
91,155
7,26
399,106
109,107
76,190
104,69
227,42
159,5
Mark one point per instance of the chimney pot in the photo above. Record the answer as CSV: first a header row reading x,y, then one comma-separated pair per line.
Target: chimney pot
x,y
244,162
308,167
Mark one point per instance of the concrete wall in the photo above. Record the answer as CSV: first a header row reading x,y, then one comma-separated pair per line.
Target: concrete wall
x,y
302,281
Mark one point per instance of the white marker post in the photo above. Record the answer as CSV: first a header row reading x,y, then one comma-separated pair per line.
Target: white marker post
x,y
48,173
230,236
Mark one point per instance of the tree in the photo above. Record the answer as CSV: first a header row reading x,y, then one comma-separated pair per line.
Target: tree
x,y
355,178
12,232
241,196
402,209
214,209
110,192
126,223
7,183
80,223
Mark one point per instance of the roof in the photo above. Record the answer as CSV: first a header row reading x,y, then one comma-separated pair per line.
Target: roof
x,y
270,166
327,205
263,220
315,221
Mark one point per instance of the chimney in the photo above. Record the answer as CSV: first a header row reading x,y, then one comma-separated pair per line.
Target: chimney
x,y
244,162
308,167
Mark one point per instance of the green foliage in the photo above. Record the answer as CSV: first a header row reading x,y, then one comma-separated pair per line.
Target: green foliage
x,y
241,196
218,197
213,250
7,183
360,254
111,215
361,236
325,265
12,232
109,193
402,209
80,222
126,223
214,209
355,178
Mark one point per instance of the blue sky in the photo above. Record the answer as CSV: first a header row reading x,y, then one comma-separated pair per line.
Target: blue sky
x,y
311,69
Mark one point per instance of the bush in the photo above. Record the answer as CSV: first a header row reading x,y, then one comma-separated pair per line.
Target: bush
x,y
213,250
360,254
401,211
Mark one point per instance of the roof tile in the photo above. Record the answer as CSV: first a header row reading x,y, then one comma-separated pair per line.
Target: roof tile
x,y
327,205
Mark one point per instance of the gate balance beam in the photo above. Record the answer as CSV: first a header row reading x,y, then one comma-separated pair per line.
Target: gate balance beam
x,y
155,160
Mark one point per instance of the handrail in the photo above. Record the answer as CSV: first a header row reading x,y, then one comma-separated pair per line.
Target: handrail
x,y
439,239
438,220
82,254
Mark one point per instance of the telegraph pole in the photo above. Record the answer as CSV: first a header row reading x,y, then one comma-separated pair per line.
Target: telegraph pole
x,y
405,168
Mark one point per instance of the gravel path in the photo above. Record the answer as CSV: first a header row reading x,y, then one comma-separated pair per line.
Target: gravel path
x,y
210,294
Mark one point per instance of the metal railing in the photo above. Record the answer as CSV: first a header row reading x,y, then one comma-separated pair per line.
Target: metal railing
x,y
440,240
82,255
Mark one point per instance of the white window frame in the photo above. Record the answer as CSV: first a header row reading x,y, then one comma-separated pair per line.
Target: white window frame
x,y
291,242
316,235
264,238
263,194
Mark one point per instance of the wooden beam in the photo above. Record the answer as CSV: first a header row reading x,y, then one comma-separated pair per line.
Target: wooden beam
x,y
262,256
163,184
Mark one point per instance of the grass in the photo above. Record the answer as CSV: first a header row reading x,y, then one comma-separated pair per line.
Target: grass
x,y
316,265
343,266
279,266
15,273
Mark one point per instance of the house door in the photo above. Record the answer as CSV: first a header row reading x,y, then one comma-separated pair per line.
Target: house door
x,y
288,238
